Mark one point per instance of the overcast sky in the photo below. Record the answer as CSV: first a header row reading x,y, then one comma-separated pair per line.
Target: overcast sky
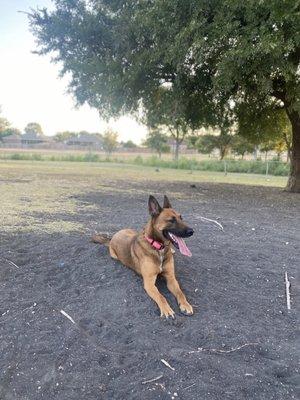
x,y
30,89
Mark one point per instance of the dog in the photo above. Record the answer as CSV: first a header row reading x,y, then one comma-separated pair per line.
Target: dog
x,y
149,252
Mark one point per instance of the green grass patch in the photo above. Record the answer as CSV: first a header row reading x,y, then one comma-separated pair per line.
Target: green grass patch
x,y
276,168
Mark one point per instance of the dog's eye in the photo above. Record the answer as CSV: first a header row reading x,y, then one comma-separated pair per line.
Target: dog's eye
x,y
180,216
172,220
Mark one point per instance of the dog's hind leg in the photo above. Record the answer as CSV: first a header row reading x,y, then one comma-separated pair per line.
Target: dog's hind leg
x,y
112,253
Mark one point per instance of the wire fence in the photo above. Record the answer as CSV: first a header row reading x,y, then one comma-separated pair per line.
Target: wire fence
x,y
267,167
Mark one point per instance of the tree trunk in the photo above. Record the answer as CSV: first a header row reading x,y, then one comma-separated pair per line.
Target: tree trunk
x,y
222,153
177,145
288,146
255,153
293,184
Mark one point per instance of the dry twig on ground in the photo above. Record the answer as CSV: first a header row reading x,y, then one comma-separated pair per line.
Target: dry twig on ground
x,y
152,380
213,221
287,291
201,349
167,364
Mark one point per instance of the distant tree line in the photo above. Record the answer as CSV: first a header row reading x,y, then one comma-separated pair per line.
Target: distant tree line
x,y
224,143
6,129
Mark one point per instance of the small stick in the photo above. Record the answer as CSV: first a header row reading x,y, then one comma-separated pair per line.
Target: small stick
x,y
167,364
212,220
12,263
222,351
287,291
152,380
68,316
189,386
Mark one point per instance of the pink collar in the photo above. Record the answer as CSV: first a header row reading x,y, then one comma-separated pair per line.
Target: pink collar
x,y
155,244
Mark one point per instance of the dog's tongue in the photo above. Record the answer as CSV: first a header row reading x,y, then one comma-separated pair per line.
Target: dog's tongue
x,y
183,247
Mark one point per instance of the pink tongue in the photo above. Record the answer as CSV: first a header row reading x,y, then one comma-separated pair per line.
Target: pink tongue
x,y
183,247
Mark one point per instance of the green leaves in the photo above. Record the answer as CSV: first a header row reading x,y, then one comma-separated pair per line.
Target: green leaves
x,y
157,141
110,141
33,128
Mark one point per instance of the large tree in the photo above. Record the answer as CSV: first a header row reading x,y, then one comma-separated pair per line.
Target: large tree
x,y
220,53
34,128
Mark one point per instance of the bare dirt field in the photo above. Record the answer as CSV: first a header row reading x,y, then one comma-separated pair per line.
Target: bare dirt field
x,y
241,342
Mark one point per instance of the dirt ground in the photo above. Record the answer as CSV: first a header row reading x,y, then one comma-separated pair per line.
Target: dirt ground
x,y
241,343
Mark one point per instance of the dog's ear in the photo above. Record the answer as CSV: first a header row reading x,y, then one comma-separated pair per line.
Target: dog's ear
x,y
154,207
167,203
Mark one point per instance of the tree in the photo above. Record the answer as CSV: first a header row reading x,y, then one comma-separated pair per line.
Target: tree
x,y
269,130
64,136
279,148
110,141
129,145
34,128
6,129
4,126
230,54
165,111
208,143
158,142
241,145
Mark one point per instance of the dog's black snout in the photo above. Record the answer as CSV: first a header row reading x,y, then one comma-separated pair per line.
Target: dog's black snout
x,y
189,231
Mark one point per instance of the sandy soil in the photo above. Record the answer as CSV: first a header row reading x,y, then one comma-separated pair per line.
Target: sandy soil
x,y
240,344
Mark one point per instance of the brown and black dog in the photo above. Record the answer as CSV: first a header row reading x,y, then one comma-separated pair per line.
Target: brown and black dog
x,y
149,252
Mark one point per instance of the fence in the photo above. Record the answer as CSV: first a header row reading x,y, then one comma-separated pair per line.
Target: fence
x,y
268,167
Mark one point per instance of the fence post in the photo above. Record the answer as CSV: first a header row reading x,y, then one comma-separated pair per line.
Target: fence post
x,y
225,167
267,169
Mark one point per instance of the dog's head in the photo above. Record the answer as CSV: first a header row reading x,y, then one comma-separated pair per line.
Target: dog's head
x,y
169,224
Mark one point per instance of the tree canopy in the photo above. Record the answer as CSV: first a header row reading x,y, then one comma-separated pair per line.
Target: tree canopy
x,y
130,145
6,129
157,141
33,128
110,141
223,60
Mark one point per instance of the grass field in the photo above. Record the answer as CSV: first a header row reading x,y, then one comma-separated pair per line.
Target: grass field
x,y
189,162
45,187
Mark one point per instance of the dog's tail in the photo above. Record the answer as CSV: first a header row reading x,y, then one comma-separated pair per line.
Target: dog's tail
x,y
101,238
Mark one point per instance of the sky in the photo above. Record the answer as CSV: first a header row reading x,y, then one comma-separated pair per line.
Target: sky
x,y
30,88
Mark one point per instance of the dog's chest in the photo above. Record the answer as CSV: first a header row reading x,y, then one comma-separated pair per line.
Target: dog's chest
x,y
161,256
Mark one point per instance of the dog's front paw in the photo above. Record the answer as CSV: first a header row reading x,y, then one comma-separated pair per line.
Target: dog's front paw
x,y
186,308
166,311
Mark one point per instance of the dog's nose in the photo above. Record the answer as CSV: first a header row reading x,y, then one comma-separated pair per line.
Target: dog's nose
x,y
189,231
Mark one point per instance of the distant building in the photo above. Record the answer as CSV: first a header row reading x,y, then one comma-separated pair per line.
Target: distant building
x,y
86,141
11,141
31,139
